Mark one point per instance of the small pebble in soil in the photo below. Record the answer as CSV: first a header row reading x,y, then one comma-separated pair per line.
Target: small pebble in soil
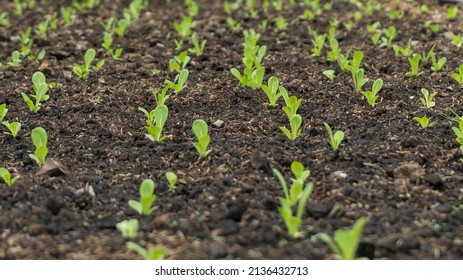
x,y
54,204
226,227
236,211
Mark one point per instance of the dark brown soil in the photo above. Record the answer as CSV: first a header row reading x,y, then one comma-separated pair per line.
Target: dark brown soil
x,y
404,179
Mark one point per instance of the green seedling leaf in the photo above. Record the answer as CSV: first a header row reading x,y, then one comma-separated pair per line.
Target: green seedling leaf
x,y
13,128
200,130
152,254
128,228
172,179
147,198
3,111
334,139
6,176
39,139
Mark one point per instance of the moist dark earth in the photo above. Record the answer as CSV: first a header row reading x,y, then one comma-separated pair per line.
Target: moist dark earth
x,y
404,179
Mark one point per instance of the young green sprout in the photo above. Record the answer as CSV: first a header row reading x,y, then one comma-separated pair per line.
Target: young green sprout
x,y
184,28
292,104
128,228
271,90
67,14
39,139
84,70
437,65
281,23
296,196
335,51
372,95
200,130
147,198
3,111
295,123
179,82
424,121
179,62
318,43
359,80
334,139
452,12
151,254
428,99
458,132
41,89
15,60
414,63
172,179
121,27
161,97
155,121
13,128
6,176
345,242
198,48
459,76
390,33
329,74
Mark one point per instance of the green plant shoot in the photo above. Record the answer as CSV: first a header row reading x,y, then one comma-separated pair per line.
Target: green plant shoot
x,y
200,130
334,139
172,179
6,176
151,254
128,228
295,123
147,198
39,139
372,95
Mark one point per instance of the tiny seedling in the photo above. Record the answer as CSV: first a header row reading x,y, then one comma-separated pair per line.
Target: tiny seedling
x,y
457,40
452,12
295,123
403,51
13,128
161,97
437,65
179,82
15,59
84,70
372,95
179,62
458,132
281,23
428,99
343,61
335,51
67,14
318,43
198,48
122,26
151,254
292,104
271,90
155,121
3,111
359,80
355,62
424,121
200,130
334,139
39,139
41,89
6,176
298,195
390,34
184,28
147,198
459,76
128,228
250,78
172,179
329,74
345,242
415,64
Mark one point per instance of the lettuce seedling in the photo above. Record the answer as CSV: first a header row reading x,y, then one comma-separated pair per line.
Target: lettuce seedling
x,y
424,121
40,89
162,97
295,123
371,28
198,48
6,176
329,74
67,14
281,23
39,139
250,78
457,40
4,19
359,80
84,70
345,242
355,62
335,51
179,82
427,99
235,26
15,60
292,105
271,90
151,254
401,51
414,63
128,228
42,28
437,65
200,130
179,62
156,120
121,27
390,33
3,111
107,45
184,28
13,128
172,179
296,196
452,12
147,198
343,61
458,132
318,43
459,76
372,95
334,139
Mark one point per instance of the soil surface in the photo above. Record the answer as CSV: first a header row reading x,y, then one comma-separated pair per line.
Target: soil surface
x,y
404,179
